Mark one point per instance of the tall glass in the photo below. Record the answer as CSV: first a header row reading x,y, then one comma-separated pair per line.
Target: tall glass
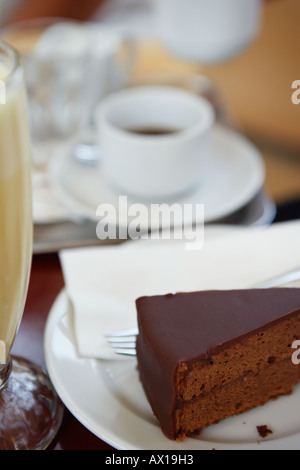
x,y
30,411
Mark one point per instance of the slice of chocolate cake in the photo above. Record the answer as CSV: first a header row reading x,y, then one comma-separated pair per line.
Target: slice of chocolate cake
x,y
205,356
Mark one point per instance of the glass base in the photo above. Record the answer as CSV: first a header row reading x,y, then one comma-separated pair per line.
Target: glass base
x,y
30,410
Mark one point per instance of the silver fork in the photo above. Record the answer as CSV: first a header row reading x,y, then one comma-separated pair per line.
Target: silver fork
x,y
123,341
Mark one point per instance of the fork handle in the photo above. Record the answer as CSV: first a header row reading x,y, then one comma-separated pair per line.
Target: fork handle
x,y
291,276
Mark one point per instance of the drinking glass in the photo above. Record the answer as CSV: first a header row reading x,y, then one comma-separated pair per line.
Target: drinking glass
x,y
30,410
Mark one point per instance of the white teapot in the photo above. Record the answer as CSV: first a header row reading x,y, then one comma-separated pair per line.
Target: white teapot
x,y
207,31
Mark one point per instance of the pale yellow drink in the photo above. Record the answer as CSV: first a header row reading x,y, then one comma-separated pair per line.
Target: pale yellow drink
x,y
30,411
15,207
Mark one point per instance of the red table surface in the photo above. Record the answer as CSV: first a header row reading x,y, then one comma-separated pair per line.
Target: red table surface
x,y
45,284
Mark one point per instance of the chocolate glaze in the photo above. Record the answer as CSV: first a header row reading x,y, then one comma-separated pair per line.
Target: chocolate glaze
x,y
189,327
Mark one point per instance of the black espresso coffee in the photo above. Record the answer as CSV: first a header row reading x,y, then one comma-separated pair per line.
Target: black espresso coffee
x,y
153,131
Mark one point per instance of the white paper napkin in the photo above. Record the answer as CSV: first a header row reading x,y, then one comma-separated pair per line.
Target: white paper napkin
x,y
104,282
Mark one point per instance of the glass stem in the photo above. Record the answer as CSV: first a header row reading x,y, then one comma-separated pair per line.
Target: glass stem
x,y
5,370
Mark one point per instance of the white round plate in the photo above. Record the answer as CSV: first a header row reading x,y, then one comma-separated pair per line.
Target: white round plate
x,y
107,398
235,175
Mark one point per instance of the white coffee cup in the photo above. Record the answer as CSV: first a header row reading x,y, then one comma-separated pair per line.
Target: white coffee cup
x,y
158,166
207,30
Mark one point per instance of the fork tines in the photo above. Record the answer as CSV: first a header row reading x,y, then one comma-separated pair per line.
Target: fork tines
x,y
123,341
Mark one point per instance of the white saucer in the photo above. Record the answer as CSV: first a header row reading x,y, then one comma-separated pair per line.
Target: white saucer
x,y
235,176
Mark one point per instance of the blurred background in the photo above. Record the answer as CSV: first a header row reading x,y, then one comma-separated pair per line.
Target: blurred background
x,y
256,86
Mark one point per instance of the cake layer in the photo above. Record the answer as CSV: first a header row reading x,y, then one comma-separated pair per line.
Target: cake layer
x,y
238,396
254,352
191,344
